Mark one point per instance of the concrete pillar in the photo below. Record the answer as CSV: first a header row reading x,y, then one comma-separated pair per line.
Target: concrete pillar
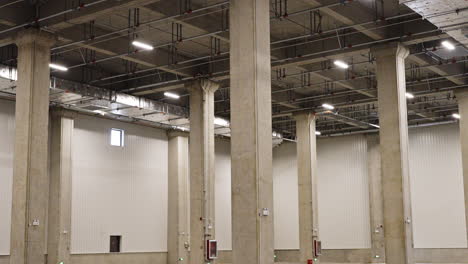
x,y
391,88
202,158
60,188
462,98
179,210
307,180
30,175
251,132
375,199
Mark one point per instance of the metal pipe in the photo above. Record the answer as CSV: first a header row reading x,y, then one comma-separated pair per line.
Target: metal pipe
x,y
37,21
141,25
11,3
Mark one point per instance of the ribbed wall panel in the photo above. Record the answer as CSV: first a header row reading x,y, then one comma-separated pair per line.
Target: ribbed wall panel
x,y
223,194
343,193
118,190
7,138
286,197
437,188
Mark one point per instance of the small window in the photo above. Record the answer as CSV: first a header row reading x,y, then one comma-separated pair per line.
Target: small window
x,y
117,137
115,243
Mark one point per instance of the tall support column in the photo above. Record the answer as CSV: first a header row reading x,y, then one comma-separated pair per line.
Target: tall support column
x,y
30,178
251,132
462,98
178,216
60,188
202,158
391,89
307,180
375,198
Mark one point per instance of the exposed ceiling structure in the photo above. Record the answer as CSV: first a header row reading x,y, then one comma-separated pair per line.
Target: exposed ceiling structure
x,y
109,75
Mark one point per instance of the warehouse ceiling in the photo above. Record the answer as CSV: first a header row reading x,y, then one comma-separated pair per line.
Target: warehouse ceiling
x,y
108,75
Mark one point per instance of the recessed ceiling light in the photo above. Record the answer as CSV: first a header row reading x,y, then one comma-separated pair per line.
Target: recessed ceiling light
x,y
180,128
58,67
99,112
318,133
276,135
456,116
448,45
221,122
171,95
142,45
409,95
341,64
328,106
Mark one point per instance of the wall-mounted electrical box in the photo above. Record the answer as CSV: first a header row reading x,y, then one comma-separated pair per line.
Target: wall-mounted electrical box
x,y
211,249
317,248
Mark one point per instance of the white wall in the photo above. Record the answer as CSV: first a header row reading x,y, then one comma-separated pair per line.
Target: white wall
x,y
286,197
118,190
343,193
7,135
437,188
123,191
344,222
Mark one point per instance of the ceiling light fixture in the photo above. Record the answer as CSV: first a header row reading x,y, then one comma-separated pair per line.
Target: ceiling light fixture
x,y
99,112
142,45
318,133
341,64
171,95
376,126
448,45
277,135
221,122
58,67
328,106
456,116
409,95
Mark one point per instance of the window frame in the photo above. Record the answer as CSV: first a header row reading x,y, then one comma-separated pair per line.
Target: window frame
x,y
121,137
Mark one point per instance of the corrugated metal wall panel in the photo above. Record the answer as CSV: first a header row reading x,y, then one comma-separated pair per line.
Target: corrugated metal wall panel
x,y
343,193
437,188
223,194
118,190
7,126
286,197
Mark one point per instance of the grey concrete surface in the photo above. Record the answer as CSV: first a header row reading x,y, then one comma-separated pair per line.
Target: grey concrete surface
x,y
251,132
178,233
202,160
374,171
120,258
462,98
60,189
391,87
30,168
307,183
